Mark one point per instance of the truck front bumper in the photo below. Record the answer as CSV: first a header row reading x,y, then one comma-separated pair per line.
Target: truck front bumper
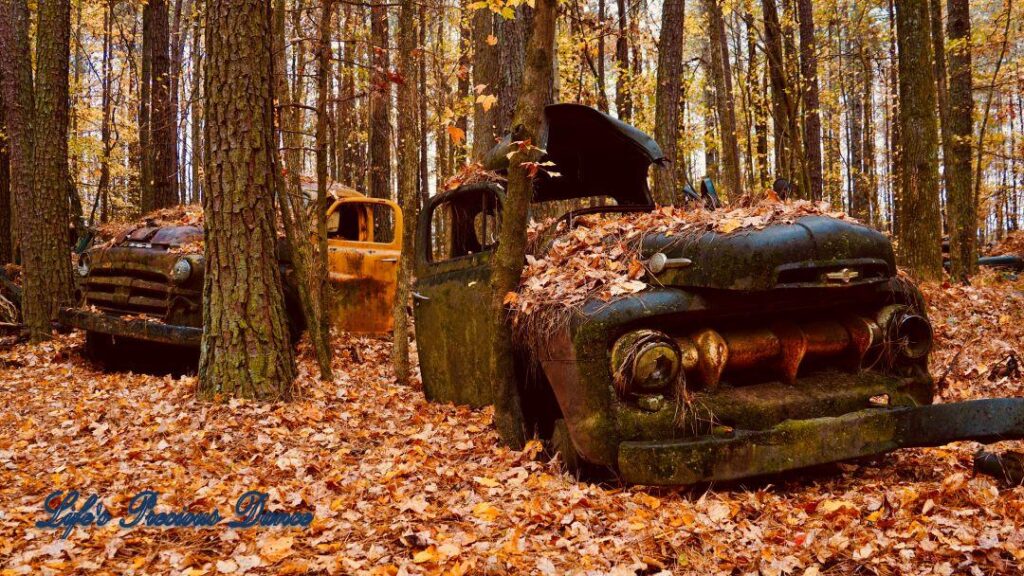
x,y
136,328
800,443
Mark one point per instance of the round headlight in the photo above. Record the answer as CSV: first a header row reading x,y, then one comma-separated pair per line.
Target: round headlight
x,y
182,271
645,361
83,264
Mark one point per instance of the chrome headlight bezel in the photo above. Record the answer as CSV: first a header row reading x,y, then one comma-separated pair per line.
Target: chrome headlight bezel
x,y
181,271
84,265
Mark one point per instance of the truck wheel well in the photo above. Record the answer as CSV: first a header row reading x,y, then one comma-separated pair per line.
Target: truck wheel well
x,y
537,399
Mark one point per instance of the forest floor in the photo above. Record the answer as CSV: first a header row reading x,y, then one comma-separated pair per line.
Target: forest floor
x,y
401,486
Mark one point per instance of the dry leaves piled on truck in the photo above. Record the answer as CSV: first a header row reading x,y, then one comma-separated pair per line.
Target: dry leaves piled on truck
x,y
600,257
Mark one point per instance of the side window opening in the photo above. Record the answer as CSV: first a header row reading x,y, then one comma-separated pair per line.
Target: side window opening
x,y
358,222
464,225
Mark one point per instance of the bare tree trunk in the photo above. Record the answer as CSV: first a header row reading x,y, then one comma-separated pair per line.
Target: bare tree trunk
x,y
308,258
512,38
51,212
407,178
485,80
724,100
103,186
177,40
6,230
918,235
666,112
164,129
602,82
811,100
197,107
623,97
458,156
380,102
146,193
508,260
777,73
319,325
245,349
961,209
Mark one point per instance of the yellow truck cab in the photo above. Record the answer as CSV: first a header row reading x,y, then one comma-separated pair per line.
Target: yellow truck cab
x,y
364,243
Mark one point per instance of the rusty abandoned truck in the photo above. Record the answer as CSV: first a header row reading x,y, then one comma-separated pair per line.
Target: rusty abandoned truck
x,y
147,285
800,343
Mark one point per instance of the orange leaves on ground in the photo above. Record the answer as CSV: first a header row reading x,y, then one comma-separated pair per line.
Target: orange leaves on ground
x,y
402,486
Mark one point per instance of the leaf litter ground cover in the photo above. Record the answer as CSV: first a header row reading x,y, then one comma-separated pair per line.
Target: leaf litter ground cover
x,y
402,486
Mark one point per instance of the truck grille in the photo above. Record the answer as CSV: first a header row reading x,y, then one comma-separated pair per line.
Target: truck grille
x,y
128,291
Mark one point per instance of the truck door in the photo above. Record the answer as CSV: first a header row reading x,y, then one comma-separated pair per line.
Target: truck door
x,y
457,235
364,243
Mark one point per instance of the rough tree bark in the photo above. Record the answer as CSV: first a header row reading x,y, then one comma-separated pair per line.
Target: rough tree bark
x,y
724,101
408,168
961,209
380,102
163,137
669,92
6,236
919,230
508,259
512,38
485,80
319,326
245,349
782,109
811,100
50,215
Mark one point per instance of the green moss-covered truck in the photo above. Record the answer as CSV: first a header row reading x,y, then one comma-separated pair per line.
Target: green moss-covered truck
x,y
799,343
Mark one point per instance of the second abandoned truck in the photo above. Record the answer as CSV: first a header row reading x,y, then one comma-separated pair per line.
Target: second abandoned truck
x,y
798,344
146,284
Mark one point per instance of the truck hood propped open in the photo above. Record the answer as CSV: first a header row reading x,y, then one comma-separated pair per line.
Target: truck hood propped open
x,y
595,155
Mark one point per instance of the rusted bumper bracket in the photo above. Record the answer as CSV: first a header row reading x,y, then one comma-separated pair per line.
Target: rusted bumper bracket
x,y
799,443
138,329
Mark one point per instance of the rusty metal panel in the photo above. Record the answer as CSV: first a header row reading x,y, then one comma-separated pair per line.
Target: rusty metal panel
x,y
363,273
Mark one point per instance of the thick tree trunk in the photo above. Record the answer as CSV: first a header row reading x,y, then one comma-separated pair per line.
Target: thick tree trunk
x,y
485,81
50,217
961,209
512,38
508,260
16,91
721,72
811,101
666,112
164,130
407,178
245,350
919,232
380,103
